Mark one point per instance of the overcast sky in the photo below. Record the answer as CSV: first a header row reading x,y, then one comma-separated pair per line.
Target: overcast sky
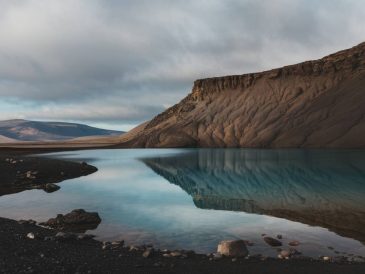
x,y
117,63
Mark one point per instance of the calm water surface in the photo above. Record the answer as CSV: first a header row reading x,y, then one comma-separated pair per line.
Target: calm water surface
x,y
194,198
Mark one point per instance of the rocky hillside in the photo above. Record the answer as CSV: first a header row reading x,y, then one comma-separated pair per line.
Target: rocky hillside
x,y
23,130
312,104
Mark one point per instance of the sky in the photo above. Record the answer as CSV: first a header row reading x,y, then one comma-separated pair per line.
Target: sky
x,y
117,63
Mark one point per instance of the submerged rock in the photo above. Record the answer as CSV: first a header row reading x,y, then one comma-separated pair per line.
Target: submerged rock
x,y
294,243
272,242
235,248
77,220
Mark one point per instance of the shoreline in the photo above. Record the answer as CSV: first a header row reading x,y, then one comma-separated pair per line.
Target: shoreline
x,y
21,254
28,248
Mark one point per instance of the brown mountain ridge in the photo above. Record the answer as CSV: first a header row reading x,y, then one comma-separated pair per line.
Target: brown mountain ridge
x,y
314,104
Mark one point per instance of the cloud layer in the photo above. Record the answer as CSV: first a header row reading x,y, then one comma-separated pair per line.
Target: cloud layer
x,y
125,61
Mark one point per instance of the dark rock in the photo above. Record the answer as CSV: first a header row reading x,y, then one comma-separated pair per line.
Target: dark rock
x,y
235,248
294,243
49,188
272,242
77,220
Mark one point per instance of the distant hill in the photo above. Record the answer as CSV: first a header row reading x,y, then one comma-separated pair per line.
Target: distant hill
x,y
4,139
23,130
314,104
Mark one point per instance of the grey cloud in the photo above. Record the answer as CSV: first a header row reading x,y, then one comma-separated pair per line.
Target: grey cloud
x,y
146,54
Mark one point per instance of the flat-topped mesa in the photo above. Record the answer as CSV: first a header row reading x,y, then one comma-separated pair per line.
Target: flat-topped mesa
x,y
311,104
343,61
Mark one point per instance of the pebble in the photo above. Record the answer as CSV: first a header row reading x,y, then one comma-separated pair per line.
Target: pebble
x,y
147,253
31,236
133,248
285,254
175,254
294,243
118,243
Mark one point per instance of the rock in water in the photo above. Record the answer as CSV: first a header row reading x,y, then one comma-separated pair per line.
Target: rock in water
x,y
77,220
272,242
294,243
235,248
49,188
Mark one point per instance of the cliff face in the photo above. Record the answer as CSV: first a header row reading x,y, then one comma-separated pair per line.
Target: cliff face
x,y
312,104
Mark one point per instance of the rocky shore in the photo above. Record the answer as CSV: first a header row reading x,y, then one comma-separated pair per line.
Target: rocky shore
x,y
28,248
19,173
60,244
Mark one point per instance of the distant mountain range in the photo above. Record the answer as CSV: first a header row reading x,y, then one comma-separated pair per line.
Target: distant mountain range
x,y
314,104
23,130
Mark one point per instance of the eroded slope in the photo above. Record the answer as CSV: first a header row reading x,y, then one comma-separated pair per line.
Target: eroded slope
x,y
312,104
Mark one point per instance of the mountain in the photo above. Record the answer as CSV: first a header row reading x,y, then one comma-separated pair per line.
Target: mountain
x,y
312,104
23,130
308,186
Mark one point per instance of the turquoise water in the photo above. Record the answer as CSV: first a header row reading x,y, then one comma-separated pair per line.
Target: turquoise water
x,y
194,198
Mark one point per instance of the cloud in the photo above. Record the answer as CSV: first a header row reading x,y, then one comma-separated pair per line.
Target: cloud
x,y
127,59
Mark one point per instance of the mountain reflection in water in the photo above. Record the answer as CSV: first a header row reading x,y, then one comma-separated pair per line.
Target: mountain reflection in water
x,y
317,187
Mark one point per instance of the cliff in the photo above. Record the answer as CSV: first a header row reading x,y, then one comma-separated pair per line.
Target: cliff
x,y
312,104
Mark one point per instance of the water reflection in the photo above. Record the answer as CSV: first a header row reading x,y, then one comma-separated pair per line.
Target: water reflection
x,y
321,188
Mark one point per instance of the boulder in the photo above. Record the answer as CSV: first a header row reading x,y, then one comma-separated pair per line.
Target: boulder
x,y
77,220
235,248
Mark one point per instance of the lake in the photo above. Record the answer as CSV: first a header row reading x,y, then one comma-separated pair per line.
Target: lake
x,y
194,198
